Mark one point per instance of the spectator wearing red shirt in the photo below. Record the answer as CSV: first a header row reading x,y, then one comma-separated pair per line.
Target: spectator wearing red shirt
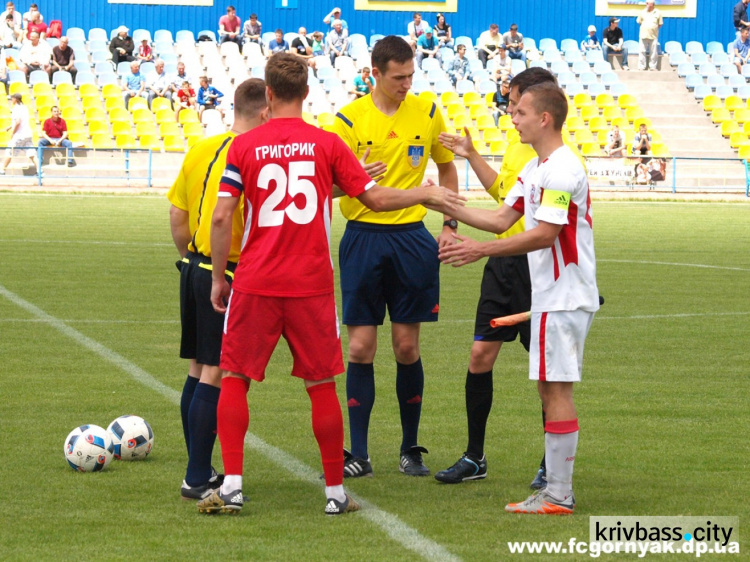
x,y
55,133
36,24
230,27
185,99
144,52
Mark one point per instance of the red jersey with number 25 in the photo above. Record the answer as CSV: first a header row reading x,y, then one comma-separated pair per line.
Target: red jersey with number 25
x,y
286,169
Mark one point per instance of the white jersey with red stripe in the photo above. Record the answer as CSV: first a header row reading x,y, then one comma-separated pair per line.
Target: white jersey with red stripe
x,y
286,169
563,277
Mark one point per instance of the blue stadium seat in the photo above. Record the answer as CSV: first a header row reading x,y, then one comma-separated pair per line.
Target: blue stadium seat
x,y
39,77
442,86
212,35
141,34
107,78
374,38
698,58
720,58
715,81
573,57
538,64
581,66
435,75
420,85
568,44
631,45
618,89
103,67
677,58
594,56
123,67
724,91
692,81
429,64
609,78
551,55
168,57
588,78
702,91
529,44
672,47
707,69
325,72
99,57
75,33
98,45
98,34
694,47
565,78
465,40
713,47
685,69
83,77
53,42
602,67
16,76
596,88
574,88
517,66
331,83
475,64
744,91
260,72
170,67
185,35
447,54
546,44
464,86
163,35
737,81
728,69
558,67
487,87
82,65
161,47
481,75
745,69
61,77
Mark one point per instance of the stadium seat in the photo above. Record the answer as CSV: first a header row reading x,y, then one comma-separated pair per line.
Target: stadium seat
x,y
694,47
707,69
642,121
711,102
125,141
98,128
101,141
583,136
107,78
720,58
591,148
744,152
594,56
487,87
62,77
150,142
119,114
733,102
491,133
442,86
145,128
697,59
720,114
611,113
633,113
626,100
574,124
741,115
114,103
95,114
85,78
714,47
137,102
498,147
97,34
605,100
184,35
163,35
169,128
587,79
141,34
744,91
546,44
737,139
588,112
677,58
602,67
173,143
724,91
597,124
188,116
685,69
671,47
692,81
121,128
729,127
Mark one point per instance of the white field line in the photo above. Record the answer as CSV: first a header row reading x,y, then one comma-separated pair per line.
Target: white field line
x,y
390,524
88,242
698,265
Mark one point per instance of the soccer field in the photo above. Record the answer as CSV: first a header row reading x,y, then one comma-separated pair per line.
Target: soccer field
x,y
89,331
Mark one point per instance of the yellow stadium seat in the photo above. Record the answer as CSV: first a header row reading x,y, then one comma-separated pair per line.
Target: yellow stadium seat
x,y
574,124
729,127
588,112
498,147
485,122
611,112
150,141
598,124
428,95
601,137
101,141
478,110
145,128
642,121
626,100
581,100
742,115
136,102
591,149
473,131
472,98
737,139
19,88
167,116
746,128
454,110
111,91
480,147
121,128
326,119
461,121
492,135
572,111
89,90
621,122
189,116
307,117
45,100
744,151
447,98
160,103
68,101
69,113
81,139
3,90
174,143
489,99
169,128
505,123
194,129
605,100
660,150
125,141
583,136
42,89
733,102
512,135
194,140
711,102
87,102
142,114
98,127
112,103
119,114
65,89
720,114
95,114
633,113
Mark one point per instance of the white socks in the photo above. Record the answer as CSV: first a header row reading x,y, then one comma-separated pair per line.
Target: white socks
x,y
560,451
336,492
231,483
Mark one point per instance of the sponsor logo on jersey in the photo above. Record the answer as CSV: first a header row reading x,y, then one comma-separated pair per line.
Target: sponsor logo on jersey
x,y
415,154
392,135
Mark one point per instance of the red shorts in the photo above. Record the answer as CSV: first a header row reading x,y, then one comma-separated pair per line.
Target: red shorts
x,y
310,326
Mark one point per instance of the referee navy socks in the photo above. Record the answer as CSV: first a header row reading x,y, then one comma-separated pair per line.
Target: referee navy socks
x,y
409,389
187,397
478,405
202,422
360,397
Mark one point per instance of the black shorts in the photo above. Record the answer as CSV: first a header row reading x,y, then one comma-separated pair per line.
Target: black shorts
x,y
202,326
506,289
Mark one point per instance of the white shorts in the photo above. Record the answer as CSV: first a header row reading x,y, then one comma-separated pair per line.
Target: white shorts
x,y
557,339
14,150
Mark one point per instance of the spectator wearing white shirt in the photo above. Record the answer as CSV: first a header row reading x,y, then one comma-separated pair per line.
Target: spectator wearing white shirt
x,y
416,28
20,129
159,83
35,55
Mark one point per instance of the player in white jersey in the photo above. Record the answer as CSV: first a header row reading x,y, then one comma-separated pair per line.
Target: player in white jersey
x,y
552,193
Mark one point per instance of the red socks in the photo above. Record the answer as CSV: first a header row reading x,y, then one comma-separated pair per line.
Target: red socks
x,y
232,419
328,427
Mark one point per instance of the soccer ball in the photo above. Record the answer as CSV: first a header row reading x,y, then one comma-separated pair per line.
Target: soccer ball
x,y
132,437
88,448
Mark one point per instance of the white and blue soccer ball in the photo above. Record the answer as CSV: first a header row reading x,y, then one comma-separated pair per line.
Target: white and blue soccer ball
x,y
132,437
88,448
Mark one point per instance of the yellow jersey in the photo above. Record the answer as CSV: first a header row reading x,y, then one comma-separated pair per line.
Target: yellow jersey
x,y
195,191
403,141
517,155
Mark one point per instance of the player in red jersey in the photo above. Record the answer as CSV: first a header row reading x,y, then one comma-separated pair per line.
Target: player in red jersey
x,y
283,284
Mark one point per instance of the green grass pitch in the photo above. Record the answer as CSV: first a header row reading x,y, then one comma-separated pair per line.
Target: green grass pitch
x,y
663,405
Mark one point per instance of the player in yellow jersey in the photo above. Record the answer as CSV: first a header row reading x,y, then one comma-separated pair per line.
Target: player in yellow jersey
x,y
193,197
506,289
390,260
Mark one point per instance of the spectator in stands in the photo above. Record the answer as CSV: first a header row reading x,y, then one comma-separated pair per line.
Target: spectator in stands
x,y
277,44
363,83
185,98
122,46
428,47
502,99
302,47
488,43
615,147
416,28
337,41
253,30
159,84
514,41
36,54
20,129
502,64
55,133
144,52
591,42
29,16
10,9
642,141
650,20
442,32
63,58
739,16
741,48
318,48
179,78
208,97
35,24
458,68
9,34
334,15
613,43
133,83
230,27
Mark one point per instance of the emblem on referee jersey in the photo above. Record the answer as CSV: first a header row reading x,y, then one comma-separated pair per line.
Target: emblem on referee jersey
x,y
415,154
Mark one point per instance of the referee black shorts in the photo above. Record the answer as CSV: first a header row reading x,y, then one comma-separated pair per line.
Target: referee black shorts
x,y
202,326
506,289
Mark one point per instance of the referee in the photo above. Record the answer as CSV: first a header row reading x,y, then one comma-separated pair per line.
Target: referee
x,y
193,197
